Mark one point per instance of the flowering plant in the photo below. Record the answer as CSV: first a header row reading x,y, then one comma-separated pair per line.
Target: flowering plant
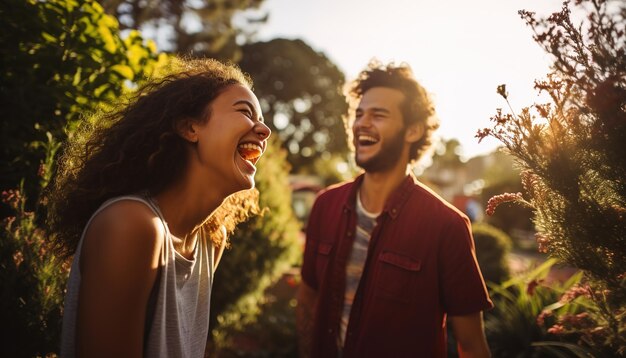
x,y
571,154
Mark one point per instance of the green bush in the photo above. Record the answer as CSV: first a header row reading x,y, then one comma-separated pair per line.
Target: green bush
x,y
32,284
492,251
262,249
60,59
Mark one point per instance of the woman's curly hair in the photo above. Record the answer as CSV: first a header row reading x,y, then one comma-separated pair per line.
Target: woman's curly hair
x,y
417,106
136,148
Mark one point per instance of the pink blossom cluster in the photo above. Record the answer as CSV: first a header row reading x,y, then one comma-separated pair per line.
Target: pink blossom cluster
x,y
18,258
556,329
541,319
12,197
493,203
575,292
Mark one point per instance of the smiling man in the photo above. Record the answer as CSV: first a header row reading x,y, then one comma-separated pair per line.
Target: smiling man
x,y
387,262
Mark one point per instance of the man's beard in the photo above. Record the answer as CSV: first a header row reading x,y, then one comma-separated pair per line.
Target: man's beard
x,y
387,157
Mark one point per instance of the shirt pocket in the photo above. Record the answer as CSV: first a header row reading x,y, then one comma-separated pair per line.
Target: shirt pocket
x,y
324,249
394,276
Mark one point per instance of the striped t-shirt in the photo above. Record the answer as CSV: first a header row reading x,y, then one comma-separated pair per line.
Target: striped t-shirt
x,y
354,269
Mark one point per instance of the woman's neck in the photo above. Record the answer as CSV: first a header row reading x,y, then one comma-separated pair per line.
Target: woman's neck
x,y
184,211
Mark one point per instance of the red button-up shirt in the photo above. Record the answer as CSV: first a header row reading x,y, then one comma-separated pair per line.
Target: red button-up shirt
x,y
420,267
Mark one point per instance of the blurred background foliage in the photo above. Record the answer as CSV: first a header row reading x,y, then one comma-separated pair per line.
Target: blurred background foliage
x,y
62,59
300,94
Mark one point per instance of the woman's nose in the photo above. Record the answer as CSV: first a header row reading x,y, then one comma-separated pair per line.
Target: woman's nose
x,y
262,130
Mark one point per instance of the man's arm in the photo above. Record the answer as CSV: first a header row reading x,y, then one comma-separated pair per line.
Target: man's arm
x,y
307,298
470,335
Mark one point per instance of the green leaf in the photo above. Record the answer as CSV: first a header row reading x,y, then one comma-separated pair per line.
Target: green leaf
x,y
577,350
49,38
124,70
77,77
98,91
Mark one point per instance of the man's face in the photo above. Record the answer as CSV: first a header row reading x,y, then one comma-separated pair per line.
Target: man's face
x,y
379,131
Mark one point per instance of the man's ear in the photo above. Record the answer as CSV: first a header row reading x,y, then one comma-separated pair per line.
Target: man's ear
x,y
414,132
186,128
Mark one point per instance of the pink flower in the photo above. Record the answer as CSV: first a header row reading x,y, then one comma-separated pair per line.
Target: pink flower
x,y
541,319
41,171
482,134
556,329
495,201
18,258
575,292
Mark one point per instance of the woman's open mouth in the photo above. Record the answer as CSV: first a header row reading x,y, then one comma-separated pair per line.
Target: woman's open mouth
x,y
250,152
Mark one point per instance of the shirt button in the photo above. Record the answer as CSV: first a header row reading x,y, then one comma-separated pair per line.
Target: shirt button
x,y
330,330
349,233
394,211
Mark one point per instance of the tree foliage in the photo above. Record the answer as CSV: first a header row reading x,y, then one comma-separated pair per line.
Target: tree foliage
x,y
60,60
571,151
300,94
201,28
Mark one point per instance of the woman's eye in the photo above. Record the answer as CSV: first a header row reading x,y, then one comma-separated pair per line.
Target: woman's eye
x,y
246,112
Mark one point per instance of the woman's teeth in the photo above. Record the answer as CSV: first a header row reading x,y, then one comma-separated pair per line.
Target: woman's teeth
x,y
249,151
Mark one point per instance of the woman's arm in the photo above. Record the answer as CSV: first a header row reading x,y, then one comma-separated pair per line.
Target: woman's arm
x,y
119,263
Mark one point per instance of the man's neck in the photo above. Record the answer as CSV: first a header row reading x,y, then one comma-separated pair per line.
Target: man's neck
x,y
377,187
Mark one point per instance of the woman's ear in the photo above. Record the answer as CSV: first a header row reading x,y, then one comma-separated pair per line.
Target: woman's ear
x,y
186,129
414,132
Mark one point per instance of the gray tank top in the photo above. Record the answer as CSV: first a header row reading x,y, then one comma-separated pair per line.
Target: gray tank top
x,y
177,319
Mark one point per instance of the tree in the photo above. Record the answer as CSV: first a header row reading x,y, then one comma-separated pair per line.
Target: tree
x,y
571,152
300,94
60,59
202,27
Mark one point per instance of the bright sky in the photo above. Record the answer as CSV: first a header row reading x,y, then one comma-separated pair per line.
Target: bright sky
x,y
459,50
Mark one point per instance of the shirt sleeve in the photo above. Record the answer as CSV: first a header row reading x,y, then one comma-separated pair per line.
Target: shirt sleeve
x,y
463,288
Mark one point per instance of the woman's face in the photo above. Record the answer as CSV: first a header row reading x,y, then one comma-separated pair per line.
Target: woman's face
x,y
231,141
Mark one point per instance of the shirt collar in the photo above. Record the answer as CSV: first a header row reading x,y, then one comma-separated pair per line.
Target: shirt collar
x,y
395,201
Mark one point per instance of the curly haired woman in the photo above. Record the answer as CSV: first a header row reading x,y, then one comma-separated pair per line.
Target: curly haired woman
x,y
144,203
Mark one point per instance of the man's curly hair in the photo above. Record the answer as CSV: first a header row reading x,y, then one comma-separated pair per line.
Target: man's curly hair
x,y
136,148
417,106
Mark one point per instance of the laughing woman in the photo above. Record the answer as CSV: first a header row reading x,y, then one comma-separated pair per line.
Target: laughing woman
x,y
144,205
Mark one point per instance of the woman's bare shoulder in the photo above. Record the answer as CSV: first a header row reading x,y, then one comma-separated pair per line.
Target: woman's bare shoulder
x,y
124,230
